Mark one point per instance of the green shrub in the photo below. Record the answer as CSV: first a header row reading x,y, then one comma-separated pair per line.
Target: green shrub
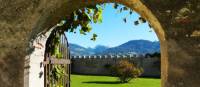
x,y
126,71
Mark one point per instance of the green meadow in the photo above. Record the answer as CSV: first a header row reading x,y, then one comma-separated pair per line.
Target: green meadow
x,y
107,81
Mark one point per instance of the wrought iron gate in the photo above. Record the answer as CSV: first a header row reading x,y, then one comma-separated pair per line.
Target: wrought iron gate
x,y
57,60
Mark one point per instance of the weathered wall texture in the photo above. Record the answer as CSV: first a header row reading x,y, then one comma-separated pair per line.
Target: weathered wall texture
x,y
176,23
34,67
20,22
97,66
180,21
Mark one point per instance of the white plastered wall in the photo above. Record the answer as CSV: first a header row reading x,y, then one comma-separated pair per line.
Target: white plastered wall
x,y
34,73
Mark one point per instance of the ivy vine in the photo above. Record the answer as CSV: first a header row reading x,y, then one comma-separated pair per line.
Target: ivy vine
x,y
80,18
93,14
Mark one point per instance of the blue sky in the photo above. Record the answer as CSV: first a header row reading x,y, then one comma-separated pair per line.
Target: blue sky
x,y
113,31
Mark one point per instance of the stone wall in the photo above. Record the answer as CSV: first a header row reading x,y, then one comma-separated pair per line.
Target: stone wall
x,y
176,23
96,65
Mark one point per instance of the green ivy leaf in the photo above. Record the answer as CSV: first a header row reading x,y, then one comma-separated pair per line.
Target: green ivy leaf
x,y
124,20
86,17
130,12
142,20
115,5
89,10
150,25
94,36
125,8
82,32
121,9
136,22
97,16
89,28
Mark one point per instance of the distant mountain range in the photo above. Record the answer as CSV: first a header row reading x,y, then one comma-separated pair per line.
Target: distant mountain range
x,y
130,47
79,50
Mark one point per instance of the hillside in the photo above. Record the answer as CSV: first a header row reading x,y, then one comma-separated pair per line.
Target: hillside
x,y
134,47
79,50
130,47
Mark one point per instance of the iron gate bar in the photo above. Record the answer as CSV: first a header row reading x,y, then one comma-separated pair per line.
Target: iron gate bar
x,y
57,61
69,57
51,61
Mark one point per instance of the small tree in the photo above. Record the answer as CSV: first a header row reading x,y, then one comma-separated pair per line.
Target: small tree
x,y
126,71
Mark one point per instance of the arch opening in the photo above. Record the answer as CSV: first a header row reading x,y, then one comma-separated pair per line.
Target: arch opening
x,y
134,5
82,57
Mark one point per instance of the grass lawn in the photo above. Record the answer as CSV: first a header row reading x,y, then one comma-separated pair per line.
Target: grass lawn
x,y
106,81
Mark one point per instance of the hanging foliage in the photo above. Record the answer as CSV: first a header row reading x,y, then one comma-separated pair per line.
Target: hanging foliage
x,y
92,14
83,18
80,18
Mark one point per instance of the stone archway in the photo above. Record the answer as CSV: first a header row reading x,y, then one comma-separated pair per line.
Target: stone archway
x,y
34,73
22,21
